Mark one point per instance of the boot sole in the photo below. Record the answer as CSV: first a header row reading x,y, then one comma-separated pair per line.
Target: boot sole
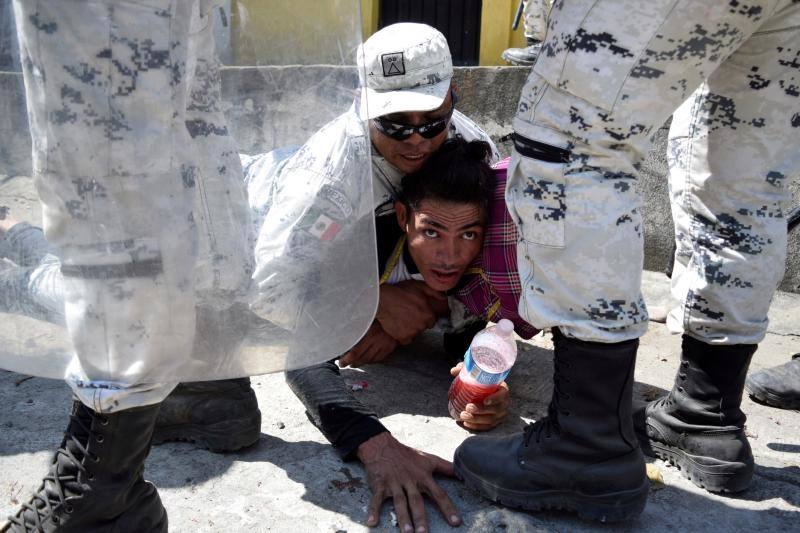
x,y
161,527
707,473
223,437
611,507
767,398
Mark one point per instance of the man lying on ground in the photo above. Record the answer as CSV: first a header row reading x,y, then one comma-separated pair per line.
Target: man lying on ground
x,y
435,238
410,115
450,240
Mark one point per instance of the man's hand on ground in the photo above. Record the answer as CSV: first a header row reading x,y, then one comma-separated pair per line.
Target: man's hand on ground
x,y
488,415
374,347
404,474
408,308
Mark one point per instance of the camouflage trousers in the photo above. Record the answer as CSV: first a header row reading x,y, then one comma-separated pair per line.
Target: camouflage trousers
x,y
140,184
30,275
535,18
610,73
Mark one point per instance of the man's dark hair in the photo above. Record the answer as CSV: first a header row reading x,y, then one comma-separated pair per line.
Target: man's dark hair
x,y
458,172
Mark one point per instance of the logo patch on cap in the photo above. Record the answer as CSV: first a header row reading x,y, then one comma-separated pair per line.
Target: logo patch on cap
x,y
393,64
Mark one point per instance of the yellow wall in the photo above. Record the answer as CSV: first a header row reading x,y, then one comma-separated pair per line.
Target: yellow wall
x,y
369,16
496,33
295,32
327,33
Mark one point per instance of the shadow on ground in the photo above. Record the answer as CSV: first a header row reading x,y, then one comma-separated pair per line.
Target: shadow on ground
x,y
34,415
423,370
414,382
342,488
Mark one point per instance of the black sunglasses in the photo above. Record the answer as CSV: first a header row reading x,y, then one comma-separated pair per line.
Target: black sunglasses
x,y
429,130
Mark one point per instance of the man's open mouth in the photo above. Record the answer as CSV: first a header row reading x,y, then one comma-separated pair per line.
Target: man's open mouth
x,y
446,276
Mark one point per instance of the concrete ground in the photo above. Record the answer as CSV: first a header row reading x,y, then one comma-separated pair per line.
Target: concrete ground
x,y
292,481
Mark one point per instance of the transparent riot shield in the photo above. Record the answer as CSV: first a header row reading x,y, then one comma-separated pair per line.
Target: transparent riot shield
x,y
185,188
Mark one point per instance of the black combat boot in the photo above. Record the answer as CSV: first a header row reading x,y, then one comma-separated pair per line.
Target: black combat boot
x,y
583,456
523,57
699,426
778,386
220,416
95,482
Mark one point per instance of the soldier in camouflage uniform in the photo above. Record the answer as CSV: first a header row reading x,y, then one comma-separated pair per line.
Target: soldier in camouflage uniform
x,y
315,173
535,26
132,163
610,73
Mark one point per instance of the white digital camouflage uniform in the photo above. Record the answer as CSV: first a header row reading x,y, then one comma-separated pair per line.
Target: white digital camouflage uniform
x,y
534,20
609,74
131,157
314,171
30,275
32,285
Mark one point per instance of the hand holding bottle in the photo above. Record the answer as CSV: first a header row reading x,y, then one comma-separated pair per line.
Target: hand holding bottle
x,y
487,362
488,414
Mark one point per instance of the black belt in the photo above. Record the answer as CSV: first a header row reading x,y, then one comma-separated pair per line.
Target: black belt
x,y
540,151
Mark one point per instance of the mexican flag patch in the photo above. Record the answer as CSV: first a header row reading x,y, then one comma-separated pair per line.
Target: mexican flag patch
x,y
319,225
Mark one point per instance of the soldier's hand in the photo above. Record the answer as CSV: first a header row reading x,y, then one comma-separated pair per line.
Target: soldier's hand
x,y
404,474
407,309
490,413
374,347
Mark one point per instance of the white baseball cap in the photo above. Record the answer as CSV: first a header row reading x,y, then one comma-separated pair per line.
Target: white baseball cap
x,y
403,67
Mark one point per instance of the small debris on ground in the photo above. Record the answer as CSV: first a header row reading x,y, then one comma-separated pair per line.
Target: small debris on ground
x,y
19,382
361,385
655,477
352,483
650,393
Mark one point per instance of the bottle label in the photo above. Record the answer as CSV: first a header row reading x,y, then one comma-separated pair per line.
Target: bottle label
x,y
482,376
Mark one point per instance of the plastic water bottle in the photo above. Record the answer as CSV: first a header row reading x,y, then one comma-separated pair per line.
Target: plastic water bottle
x,y
486,364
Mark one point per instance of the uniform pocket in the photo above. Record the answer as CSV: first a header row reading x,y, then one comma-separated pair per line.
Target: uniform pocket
x,y
537,197
592,47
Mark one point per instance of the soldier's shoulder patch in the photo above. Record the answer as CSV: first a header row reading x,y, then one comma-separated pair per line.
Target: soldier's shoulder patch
x,y
337,198
393,64
315,222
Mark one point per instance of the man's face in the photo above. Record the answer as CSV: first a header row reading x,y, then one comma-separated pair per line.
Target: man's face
x,y
443,238
408,155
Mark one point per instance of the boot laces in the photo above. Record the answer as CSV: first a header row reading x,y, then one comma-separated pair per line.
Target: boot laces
x,y
548,425
62,480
